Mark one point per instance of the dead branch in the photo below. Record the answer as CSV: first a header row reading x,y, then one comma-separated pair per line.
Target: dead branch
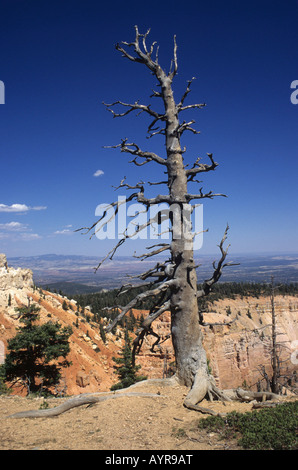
x,y
207,285
148,320
186,126
134,149
156,183
157,271
110,254
164,247
133,107
210,195
116,205
201,167
147,330
246,395
141,57
127,236
122,184
85,399
266,404
139,298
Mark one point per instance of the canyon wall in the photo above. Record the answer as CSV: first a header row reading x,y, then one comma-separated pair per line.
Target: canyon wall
x,y
237,341
237,336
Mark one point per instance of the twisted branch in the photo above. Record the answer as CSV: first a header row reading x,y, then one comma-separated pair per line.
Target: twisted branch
x,y
207,285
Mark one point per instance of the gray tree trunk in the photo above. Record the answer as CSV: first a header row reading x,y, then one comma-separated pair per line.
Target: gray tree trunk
x,y
181,284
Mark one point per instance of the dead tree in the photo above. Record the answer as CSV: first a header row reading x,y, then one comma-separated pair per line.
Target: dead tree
x,y
171,283
176,278
274,359
279,378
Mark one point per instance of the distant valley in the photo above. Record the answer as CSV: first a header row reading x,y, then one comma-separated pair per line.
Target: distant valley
x,y
75,274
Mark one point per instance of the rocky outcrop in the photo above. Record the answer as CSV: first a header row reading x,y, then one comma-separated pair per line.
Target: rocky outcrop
x,y
3,261
237,340
82,379
15,283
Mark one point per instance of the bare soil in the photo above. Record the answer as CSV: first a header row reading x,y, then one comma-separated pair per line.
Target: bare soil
x,y
161,423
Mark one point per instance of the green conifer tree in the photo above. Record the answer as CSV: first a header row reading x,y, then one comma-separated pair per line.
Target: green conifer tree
x,y
35,350
126,371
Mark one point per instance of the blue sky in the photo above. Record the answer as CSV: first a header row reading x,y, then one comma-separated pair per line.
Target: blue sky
x,y
58,64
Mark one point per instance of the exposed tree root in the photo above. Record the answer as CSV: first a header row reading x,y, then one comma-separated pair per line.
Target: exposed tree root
x,y
203,387
80,400
245,395
267,404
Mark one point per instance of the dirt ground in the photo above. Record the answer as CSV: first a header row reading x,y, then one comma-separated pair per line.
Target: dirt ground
x,y
127,423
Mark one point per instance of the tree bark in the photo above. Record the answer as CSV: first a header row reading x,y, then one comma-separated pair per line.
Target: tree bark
x,y
191,361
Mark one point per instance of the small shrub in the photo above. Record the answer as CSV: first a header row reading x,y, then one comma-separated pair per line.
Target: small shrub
x,y
44,405
4,390
265,429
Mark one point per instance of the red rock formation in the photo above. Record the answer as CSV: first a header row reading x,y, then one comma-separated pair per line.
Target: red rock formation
x,y
234,350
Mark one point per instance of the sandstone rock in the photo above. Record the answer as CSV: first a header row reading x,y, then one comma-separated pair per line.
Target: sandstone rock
x,y
82,379
16,278
96,376
3,261
14,284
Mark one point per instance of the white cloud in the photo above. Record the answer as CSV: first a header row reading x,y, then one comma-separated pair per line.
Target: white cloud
x,y
30,236
98,173
20,208
38,208
13,227
65,231
15,232
14,208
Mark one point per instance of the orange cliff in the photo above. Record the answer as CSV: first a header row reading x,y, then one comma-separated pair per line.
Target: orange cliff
x,y
235,349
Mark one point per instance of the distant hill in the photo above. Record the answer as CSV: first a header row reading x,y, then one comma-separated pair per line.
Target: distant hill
x,y
69,288
77,272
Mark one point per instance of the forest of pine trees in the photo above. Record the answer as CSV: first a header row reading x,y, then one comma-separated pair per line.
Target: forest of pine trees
x,y
102,303
98,301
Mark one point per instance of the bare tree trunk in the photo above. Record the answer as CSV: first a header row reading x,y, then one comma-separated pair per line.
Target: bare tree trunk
x,y
185,328
177,277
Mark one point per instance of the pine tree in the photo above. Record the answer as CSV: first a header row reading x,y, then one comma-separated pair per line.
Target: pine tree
x,y
34,351
102,332
126,371
3,387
